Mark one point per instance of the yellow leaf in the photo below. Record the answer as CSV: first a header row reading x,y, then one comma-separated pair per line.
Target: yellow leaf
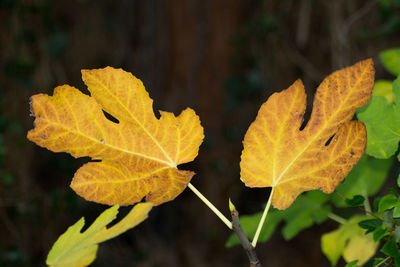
x,y
278,154
139,154
349,241
361,248
76,249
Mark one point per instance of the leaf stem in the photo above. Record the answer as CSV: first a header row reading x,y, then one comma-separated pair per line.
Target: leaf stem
x,y
337,218
210,205
367,206
383,261
261,223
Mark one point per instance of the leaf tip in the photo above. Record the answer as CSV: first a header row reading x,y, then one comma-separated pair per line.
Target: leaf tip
x,y
298,82
368,61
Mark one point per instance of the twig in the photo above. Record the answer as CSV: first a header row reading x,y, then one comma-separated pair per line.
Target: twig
x,y
353,18
382,262
237,228
392,229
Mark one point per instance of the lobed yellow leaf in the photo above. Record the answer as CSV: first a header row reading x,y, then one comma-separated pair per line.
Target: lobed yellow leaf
x,y
278,154
138,155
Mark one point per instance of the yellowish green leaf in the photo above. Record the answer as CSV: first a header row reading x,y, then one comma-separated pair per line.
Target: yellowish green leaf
x,y
390,59
384,88
76,249
361,248
349,241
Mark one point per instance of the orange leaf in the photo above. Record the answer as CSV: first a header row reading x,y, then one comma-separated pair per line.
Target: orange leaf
x,y
278,154
139,155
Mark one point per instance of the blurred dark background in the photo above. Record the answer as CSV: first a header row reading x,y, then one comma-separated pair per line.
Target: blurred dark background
x,y
222,58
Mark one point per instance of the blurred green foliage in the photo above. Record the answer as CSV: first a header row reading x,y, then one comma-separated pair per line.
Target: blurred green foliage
x,y
383,124
391,60
365,179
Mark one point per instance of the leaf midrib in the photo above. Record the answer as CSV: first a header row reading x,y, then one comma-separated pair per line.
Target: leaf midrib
x,y
78,132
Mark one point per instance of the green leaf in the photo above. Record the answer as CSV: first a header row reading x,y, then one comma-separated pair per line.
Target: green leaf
x,y
383,88
395,191
365,179
379,233
308,209
370,224
396,210
375,203
387,202
352,264
396,233
388,218
356,201
349,241
77,249
292,228
396,88
398,180
391,60
382,121
391,249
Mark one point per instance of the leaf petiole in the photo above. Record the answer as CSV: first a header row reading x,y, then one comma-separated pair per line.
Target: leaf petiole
x,y
211,206
261,223
367,206
337,218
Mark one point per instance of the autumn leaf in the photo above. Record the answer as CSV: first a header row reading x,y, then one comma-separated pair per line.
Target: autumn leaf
x,y
365,179
278,154
76,249
136,157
